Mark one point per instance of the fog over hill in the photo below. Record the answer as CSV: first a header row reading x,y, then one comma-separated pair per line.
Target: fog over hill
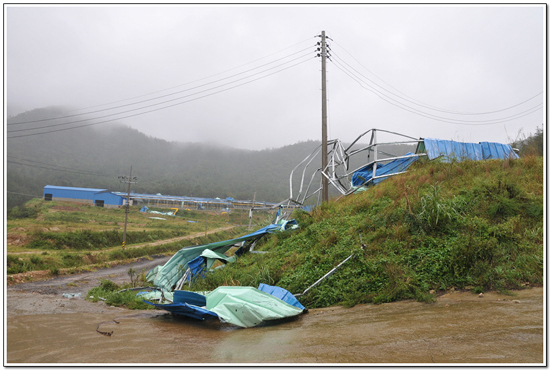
x,y
95,155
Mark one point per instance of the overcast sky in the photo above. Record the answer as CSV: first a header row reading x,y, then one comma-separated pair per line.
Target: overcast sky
x,y
247,76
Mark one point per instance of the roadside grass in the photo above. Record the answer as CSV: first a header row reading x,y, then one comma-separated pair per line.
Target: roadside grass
x,y
112,294
95,240
66,262
76,226
462,225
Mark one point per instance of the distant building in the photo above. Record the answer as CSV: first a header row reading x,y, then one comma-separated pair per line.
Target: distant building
x,y
97,197
105,198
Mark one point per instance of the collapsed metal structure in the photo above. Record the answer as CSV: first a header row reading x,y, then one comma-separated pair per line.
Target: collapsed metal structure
x,y
341,159
370,163
362,164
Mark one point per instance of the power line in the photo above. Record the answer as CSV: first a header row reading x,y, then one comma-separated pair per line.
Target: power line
x,y
431,116
166,95
29,195
150,111
417,102
435,108
60,168
200,79
156,104
50,164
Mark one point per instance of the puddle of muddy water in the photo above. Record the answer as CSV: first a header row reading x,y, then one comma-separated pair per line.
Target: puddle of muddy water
x,y
459,328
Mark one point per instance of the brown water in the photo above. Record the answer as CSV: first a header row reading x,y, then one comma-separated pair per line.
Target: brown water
x,y
459,328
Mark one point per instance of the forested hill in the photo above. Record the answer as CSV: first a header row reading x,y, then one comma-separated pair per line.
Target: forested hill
x,y
95,156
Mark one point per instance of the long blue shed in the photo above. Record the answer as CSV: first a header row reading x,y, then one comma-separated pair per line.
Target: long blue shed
x,y
98,197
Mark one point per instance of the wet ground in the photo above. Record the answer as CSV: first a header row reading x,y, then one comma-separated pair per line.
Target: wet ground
x,y
45,328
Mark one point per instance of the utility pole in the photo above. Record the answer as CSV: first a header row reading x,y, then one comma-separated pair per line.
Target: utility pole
x,y
206,223
251,210
324,152
127,180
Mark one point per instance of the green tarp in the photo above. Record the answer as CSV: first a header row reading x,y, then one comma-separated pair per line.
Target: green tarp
x,y
167,276
247,306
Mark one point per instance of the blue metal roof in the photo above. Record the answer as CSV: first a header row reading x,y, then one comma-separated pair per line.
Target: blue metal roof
x,y
91,193
74,189
447,148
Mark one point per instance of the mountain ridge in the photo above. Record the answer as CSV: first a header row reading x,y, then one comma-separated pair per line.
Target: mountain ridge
x,y
95,156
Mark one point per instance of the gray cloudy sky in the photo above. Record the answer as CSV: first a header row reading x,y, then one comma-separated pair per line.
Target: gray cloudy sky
x,y
247,75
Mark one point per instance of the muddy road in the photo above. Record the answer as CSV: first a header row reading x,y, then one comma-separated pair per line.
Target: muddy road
x,y
43,327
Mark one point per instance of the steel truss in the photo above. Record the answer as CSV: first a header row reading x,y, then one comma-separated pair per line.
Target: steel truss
x,y
338,170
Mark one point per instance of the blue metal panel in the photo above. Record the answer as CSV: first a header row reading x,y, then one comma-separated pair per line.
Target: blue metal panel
x,y
475,152
497,151
283,294
484,150
185,310
363,175
109,198
458,150
83,193
71,193
61,188
185,296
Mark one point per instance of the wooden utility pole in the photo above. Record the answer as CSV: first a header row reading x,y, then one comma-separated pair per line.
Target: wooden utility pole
x,y
206,223
251,210
324,144
127,180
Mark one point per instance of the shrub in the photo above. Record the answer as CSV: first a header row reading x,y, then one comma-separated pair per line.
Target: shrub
x,y
113,296
23,211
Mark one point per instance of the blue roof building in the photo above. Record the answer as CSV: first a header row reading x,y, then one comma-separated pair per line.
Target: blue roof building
x,y
98,197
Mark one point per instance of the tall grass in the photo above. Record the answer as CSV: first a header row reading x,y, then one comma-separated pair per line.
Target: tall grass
x,y
463,225
93,240
67,259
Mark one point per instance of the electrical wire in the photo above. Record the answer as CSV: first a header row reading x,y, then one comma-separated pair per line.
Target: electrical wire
x,y
431,116
46,166
155,104
166,95
29,195
138,114
417,102
191,82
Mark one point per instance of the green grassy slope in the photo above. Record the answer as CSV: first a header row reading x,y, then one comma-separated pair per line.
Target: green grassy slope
x,y
55,235
469,225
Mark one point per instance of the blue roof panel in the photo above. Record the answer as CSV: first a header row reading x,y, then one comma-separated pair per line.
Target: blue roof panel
x,y
75,189
436,148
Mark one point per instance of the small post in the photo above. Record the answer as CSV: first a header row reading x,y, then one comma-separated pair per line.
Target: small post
x,y
206,222
127,180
